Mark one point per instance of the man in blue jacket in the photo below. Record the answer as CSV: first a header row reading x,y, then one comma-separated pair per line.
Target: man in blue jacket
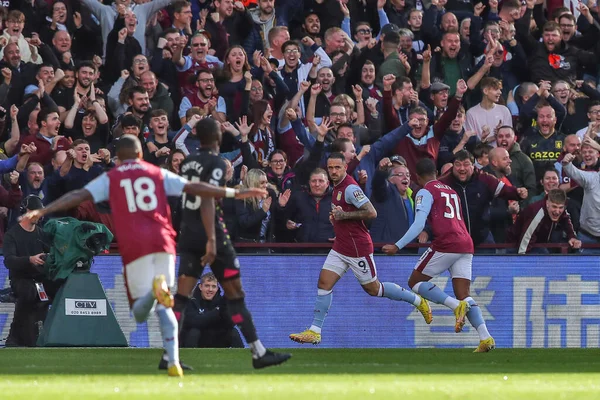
x,y
392,198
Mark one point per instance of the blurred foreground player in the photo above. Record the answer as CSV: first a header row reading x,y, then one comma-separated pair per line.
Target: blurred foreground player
x,y
137,192
204,240
451,249
352,249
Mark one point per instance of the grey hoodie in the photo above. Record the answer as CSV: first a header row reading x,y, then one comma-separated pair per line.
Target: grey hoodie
x,y
590,208
108,14
265,26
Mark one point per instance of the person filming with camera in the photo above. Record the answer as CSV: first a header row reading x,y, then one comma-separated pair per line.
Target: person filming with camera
x,y
24,257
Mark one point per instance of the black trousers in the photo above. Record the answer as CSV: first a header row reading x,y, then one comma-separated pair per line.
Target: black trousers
x,y
30,312
211,338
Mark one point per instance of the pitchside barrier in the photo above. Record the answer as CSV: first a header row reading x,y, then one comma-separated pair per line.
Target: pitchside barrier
x,y
527,301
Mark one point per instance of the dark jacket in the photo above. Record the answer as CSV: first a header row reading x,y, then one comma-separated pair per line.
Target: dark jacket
x,y
476,196
533,225
392,220
561,64
500,218
206,314
313,214
249,221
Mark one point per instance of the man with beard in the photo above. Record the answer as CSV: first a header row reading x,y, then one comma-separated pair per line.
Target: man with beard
x,y
552,59
321,96
449,65
545,221
523,173
21,73
47,140
158,94
503,212
139,107
476,191
367,81
544,146
81,167
399,98
161,62
486,116
85,75
205,98
312,28
265,18
199,59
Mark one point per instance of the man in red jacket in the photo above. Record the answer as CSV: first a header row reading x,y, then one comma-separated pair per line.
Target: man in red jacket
x,y
545,221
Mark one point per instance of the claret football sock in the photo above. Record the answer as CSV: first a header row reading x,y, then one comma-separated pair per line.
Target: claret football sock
x,y
142,306
433,293
393,291
322,305
168,329
476,319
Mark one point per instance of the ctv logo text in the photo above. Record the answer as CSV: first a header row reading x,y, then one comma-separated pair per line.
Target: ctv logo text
x,y
85,304
86,307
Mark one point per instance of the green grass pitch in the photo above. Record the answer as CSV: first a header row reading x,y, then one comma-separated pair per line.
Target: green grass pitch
x,y
312,373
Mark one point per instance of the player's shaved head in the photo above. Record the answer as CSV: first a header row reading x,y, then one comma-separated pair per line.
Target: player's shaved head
x,y
425,168
129,148
209,132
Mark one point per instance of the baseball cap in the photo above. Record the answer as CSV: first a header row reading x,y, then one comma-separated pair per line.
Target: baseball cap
x,y
32,202
310,12
389,28
398,160
438,87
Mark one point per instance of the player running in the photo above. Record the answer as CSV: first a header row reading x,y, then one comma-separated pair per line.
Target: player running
x,y
352,249
451,249
137,192
204,240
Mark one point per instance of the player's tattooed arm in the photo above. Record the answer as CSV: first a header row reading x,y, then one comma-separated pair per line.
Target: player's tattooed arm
x,y
365,212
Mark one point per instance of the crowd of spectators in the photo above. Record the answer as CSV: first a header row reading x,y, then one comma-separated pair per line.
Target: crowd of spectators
x,y
496,94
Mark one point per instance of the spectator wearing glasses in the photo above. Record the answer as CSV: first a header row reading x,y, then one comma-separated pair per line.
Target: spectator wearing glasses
x,y
577,106
392,198
198,59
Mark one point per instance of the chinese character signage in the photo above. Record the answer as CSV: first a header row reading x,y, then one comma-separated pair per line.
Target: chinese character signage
x,y
527,301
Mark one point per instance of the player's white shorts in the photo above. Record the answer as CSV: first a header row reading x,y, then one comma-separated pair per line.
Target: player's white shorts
x,y
363,267
432,263
140,273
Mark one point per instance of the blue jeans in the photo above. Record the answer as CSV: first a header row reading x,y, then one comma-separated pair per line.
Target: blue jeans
x,y
585,238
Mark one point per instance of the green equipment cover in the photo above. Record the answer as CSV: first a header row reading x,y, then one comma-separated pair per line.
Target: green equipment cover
x,y
73,245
